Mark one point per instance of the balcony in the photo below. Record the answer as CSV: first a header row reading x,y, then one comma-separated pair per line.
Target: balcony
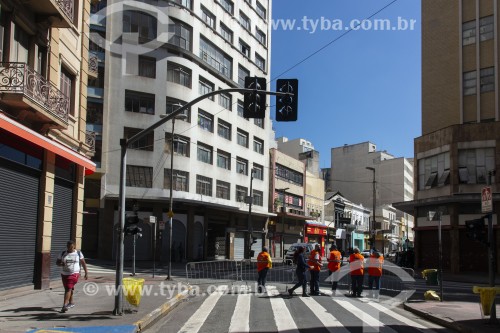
x,y
64,10
23,89
93,64
90,138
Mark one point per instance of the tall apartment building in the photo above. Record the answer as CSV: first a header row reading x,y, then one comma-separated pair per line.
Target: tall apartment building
x,y
460,143
44,148
165,54
393,183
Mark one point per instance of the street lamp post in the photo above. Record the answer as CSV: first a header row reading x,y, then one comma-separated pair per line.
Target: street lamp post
x,y
283,211
171,209
440,254
372,225
249,218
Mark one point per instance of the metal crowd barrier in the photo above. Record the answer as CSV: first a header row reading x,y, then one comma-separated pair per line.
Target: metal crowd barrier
x,y
211,272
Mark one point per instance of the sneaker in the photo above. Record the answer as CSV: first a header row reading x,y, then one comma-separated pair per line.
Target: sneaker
x,y
290,292
305,295
70,305
64,309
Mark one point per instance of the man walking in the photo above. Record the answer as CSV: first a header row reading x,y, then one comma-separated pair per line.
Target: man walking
x,y
302,266
334,263
70,261
314,268
375,263
264,263
356,265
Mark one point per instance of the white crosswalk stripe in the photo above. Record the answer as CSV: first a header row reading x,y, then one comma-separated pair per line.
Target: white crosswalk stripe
x,y
283,318
328,320
240,322
194,323
365,318
397,316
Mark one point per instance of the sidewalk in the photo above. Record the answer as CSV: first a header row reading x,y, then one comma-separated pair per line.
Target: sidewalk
x,y
94,299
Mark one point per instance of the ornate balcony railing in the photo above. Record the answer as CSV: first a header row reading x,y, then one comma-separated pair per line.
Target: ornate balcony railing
x,y
93,64
68,7
90,137
19,78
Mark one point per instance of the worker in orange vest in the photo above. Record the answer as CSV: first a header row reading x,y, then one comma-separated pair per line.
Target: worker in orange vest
x,y
264,263
356,265
315,264
375,263
334,263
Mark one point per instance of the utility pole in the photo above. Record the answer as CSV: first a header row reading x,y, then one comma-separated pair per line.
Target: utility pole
x,y
491,253
249,219
372,226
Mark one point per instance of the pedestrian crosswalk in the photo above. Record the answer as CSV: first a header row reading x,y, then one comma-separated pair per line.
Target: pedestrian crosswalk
x,y
275,311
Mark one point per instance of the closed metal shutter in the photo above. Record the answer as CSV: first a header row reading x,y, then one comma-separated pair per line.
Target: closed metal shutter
x,y
428,247
239,245
288,241
473,254
61,222
178,242
18,224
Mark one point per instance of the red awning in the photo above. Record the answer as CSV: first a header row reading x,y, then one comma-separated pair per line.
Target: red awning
x,y
24,132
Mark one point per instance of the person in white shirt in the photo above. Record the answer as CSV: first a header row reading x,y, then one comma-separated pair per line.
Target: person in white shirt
x,y
70,261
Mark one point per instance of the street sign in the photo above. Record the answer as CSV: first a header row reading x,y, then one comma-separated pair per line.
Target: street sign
x,y
161,225
486,200
152,219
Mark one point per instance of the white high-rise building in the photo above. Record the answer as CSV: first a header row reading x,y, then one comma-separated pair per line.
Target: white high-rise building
x,y
166,54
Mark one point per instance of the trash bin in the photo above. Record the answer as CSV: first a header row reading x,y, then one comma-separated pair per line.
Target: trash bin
x,y
486,297
132,289
430,276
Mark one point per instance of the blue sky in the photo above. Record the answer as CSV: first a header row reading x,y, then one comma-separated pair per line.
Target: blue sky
x,y
365,86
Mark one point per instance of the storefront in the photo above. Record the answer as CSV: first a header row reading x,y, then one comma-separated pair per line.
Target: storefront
x,y
315,232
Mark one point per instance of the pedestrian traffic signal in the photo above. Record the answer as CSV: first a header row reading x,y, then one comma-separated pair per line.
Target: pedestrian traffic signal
x,y
131,225
286,106
254,105
476,230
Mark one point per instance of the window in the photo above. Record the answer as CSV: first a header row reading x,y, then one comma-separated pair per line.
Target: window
x,y
259,122
143,24
172,104
487,79
222,190
226,33
469,33
261,36
205,121
147,66
469,83
204,153
181,144
223,160
432,169
258,145
242,166
215,58
289,174
185,3
139,102
203,185
486,28
180,180
244,21
145,143
258,198
261,11
241,193
180,34
207,17
445,178
224,129
244,48
260,62
242,138
225,100
242,74
474,164
432,180
139,176
205,87
258,171
227,5
179,74
240,108
67,80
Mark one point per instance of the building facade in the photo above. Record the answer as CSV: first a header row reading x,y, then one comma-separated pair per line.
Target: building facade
x,y
44,146
459,150
169,53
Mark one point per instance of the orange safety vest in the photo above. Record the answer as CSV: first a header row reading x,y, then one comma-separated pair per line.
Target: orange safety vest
x,y
375,265
356,264
334,260
263,261
315,263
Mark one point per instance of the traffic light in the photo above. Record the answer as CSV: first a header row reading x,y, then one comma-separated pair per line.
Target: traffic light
x,y
131,225
286,106
253,240
254,105
476,230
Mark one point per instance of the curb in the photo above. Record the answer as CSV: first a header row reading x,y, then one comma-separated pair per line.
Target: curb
x,y
161,311
445,322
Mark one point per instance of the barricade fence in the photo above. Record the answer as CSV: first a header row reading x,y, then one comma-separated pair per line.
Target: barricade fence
x,y
282,275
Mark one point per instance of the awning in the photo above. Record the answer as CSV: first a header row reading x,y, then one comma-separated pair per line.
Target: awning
x,y
24,132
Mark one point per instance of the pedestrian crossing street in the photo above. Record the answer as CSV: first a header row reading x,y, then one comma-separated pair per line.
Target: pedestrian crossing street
x,y
273,311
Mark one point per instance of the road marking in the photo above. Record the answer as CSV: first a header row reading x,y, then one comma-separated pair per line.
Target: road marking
x,y
282,317
365,318
195,322
397,316
240,322
328,320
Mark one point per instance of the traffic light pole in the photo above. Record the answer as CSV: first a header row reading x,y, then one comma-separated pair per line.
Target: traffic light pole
x,y
249,218
491,256
124,144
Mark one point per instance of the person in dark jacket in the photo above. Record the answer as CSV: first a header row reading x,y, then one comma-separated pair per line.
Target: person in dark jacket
x,y
302,267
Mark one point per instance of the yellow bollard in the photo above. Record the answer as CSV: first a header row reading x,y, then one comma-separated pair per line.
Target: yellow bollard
x,y
487,296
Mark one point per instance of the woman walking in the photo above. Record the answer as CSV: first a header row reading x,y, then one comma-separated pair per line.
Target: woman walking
x,y
302,267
